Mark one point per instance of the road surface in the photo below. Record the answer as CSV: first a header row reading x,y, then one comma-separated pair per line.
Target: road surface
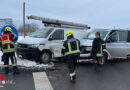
x,y
116,76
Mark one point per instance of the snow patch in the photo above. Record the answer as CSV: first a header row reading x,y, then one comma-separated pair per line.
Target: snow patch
x,y
25,63
28,63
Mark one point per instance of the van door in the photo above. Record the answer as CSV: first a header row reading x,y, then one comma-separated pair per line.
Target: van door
x,y
112,44
117,45
57,42
128,44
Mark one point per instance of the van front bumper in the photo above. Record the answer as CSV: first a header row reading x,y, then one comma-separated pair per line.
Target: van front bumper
x,y
28,53
85,57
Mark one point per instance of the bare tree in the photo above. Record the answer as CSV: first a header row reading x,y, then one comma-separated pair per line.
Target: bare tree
x,y
29,28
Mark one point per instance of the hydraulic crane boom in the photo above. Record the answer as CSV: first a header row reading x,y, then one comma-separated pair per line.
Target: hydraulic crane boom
x,y
54,22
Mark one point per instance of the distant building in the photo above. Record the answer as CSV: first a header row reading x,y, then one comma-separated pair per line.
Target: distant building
x,y
5,21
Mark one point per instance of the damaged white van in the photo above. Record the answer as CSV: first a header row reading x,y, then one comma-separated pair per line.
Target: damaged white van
x,y
47,42
117,43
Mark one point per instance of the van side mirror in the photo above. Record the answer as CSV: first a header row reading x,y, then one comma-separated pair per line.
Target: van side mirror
x,y
50,38
108,40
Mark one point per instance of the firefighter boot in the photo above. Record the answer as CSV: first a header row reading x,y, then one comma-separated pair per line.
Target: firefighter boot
x,y
73,78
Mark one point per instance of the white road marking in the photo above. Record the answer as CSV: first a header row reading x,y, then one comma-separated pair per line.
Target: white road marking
x,y
41,81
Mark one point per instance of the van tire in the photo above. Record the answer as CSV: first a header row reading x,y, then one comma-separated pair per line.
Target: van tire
x,y
45,57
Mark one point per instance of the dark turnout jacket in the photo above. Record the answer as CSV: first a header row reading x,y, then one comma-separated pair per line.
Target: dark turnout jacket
x,y
71,46
98,47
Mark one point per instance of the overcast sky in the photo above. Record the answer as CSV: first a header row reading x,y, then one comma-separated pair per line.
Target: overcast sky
x,y
95,13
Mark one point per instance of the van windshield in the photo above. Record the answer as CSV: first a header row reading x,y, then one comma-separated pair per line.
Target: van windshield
x,y
42,33
91,35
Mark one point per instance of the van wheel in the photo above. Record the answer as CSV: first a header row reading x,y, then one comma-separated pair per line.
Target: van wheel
x,y
45,57
105,57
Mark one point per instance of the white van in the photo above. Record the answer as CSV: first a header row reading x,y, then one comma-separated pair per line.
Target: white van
x,y
117,43
46,43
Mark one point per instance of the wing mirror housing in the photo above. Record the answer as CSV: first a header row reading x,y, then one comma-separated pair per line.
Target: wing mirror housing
x,y
108,41
50,38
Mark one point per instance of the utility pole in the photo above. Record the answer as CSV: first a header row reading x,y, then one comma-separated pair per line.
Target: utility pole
x,y
24,19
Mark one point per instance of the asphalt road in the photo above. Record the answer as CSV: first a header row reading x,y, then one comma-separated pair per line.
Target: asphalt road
x,y
115,76
23,81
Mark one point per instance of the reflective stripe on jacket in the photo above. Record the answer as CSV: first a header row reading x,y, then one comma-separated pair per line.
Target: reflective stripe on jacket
x,y
8,49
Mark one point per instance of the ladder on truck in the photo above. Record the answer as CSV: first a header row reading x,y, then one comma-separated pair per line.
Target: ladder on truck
x,y
48,22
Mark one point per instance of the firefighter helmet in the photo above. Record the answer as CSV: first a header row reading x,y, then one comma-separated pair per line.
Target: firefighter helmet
x,y
8,29
69,33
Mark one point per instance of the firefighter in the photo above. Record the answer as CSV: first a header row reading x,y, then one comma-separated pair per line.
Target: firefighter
x,y
1,50
98,48
7,46
71,51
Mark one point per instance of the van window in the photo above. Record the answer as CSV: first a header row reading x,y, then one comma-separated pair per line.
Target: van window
x,y
114,37
42,33
58,35
91,35
123,36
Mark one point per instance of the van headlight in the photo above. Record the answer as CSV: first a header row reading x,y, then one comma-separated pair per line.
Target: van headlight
x,y
33,45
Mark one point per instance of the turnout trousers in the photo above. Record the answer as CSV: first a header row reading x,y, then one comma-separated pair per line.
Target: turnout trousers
x,y
72,63
6,57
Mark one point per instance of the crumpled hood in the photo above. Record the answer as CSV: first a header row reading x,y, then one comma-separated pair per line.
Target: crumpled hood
x,y
86,42
31,40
